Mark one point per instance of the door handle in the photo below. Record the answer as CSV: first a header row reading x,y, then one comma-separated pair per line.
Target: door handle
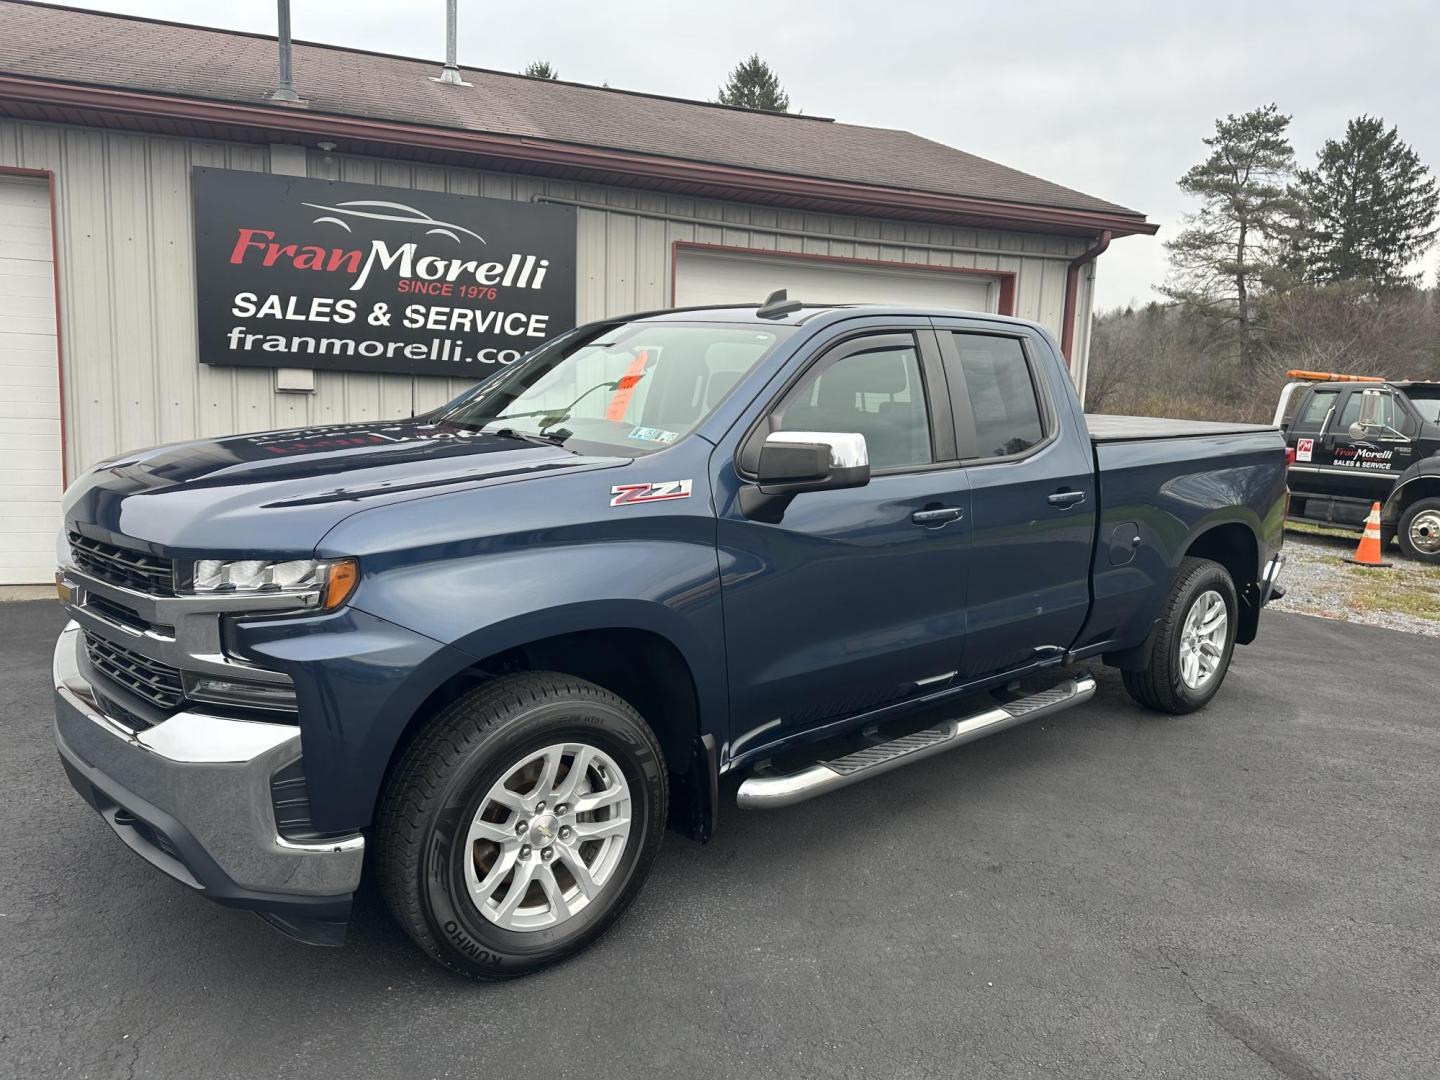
x,y
1065,499
937,516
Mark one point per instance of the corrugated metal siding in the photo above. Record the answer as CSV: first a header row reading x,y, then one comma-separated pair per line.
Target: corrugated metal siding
x,y
127,278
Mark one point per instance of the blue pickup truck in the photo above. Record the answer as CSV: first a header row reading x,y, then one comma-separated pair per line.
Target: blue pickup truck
x,y
498,648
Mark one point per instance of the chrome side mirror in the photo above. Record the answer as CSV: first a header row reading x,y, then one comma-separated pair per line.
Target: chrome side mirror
x,y
1363,430
793,462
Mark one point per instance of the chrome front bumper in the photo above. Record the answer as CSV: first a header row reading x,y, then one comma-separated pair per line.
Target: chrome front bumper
x,y
192,796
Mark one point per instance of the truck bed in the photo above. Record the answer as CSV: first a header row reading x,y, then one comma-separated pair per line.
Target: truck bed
x,y
1157,480
1107,428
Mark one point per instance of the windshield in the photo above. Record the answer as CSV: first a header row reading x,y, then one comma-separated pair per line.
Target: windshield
x,y
634,387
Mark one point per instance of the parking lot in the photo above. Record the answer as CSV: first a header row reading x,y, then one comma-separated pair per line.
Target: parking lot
x,y
1249,892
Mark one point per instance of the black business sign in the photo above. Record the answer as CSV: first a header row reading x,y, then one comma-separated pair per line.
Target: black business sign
x,y
304,273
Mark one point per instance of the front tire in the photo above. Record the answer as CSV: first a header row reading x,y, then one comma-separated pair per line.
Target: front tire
x,y
520,824
1193,642
1419,530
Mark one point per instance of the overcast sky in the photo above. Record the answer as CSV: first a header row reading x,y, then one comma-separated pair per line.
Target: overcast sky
x,y
1111,99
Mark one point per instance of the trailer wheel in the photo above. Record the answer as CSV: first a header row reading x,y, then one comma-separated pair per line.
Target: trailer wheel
x,y
520,824
1193,643
1419,530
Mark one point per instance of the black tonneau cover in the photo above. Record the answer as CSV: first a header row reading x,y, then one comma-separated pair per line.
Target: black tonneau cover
x,y
1107,428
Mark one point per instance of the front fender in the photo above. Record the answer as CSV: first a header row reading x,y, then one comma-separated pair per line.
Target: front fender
x,y
358,681
486,606
1423,476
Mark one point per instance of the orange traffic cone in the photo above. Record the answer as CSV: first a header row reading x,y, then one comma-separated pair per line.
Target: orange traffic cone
x,y
1368,553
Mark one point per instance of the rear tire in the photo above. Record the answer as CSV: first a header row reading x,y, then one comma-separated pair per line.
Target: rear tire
x,y
1193,642
520,824
1419,530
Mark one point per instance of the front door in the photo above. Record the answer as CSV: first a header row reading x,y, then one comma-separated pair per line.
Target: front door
x,y
851,601
1367,467
1032,496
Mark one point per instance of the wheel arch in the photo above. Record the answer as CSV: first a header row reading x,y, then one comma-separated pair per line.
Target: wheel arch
x,y
639,663
1235,546
1421,481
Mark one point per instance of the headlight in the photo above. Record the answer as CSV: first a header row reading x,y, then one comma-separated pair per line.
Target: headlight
x,y
332,580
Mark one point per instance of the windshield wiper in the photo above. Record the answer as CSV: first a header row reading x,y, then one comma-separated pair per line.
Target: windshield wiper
x,y
559,416
538,438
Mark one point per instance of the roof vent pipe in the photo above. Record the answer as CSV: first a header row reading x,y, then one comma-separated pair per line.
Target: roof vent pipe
x,y
286,90
451,74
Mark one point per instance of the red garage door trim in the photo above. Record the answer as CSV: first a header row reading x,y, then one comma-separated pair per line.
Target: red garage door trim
x,y
1005,278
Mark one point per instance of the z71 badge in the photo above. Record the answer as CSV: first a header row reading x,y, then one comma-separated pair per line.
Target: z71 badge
x,y
660,491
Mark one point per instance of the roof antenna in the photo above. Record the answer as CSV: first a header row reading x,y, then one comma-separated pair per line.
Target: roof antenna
x,y
286,90
451,73
776,305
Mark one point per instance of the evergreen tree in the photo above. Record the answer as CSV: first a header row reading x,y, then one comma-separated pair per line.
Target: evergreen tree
x,y
540,69
1222,258
1366,212
752,85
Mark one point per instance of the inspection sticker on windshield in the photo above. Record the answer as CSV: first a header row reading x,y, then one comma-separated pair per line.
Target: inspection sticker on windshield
x,y
660,491
653,434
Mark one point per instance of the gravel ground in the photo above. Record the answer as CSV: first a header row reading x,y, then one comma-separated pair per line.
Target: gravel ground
x,y
1317,582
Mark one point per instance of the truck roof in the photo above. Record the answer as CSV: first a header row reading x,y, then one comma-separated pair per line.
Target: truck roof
x,y
1404,384
811,311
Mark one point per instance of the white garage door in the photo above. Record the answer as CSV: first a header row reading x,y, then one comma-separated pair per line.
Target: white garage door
x,y
722,277
30,479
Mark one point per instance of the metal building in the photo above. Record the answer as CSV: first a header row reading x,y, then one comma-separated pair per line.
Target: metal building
x,y
109,125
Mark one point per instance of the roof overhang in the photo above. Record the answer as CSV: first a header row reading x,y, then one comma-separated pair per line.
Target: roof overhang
x,y
274,122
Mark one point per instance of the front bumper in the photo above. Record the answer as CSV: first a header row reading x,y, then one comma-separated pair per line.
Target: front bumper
x,y
192,796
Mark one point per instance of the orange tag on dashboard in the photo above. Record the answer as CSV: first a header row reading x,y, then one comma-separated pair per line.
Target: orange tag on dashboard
x,y
625,386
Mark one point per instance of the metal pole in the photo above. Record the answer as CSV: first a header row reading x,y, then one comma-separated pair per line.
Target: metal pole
x,y
286,90
451,74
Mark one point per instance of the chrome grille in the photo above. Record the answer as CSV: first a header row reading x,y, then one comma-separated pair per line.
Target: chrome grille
x,y
133,569
149,679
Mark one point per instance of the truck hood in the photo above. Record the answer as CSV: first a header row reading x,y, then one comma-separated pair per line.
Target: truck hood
x,y
281,491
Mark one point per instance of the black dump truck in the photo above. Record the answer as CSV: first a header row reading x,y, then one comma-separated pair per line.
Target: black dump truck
x,y
1359,440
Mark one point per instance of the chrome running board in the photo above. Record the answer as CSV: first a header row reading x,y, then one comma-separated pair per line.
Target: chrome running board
x,y
768,792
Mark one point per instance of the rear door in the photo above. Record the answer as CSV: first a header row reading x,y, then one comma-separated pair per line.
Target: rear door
x,y
1313,421
1032,495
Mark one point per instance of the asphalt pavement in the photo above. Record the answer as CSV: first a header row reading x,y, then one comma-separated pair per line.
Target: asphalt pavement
x,y
1251,892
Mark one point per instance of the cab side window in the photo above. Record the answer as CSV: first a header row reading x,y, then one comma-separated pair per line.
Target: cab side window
x,y
1001,392
1389,415
1316,409
877,392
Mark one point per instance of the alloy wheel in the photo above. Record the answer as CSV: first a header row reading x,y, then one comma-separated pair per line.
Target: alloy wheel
x,y
547,837
1202,641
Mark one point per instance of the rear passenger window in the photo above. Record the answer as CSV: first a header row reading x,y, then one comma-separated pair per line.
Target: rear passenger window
x,y
1316,409
1001,392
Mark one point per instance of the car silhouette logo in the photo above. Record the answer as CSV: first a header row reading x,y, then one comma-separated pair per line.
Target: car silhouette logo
x,y
378,210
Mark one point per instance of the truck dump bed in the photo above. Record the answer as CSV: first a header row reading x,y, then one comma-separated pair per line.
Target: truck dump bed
x,y
1107,428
